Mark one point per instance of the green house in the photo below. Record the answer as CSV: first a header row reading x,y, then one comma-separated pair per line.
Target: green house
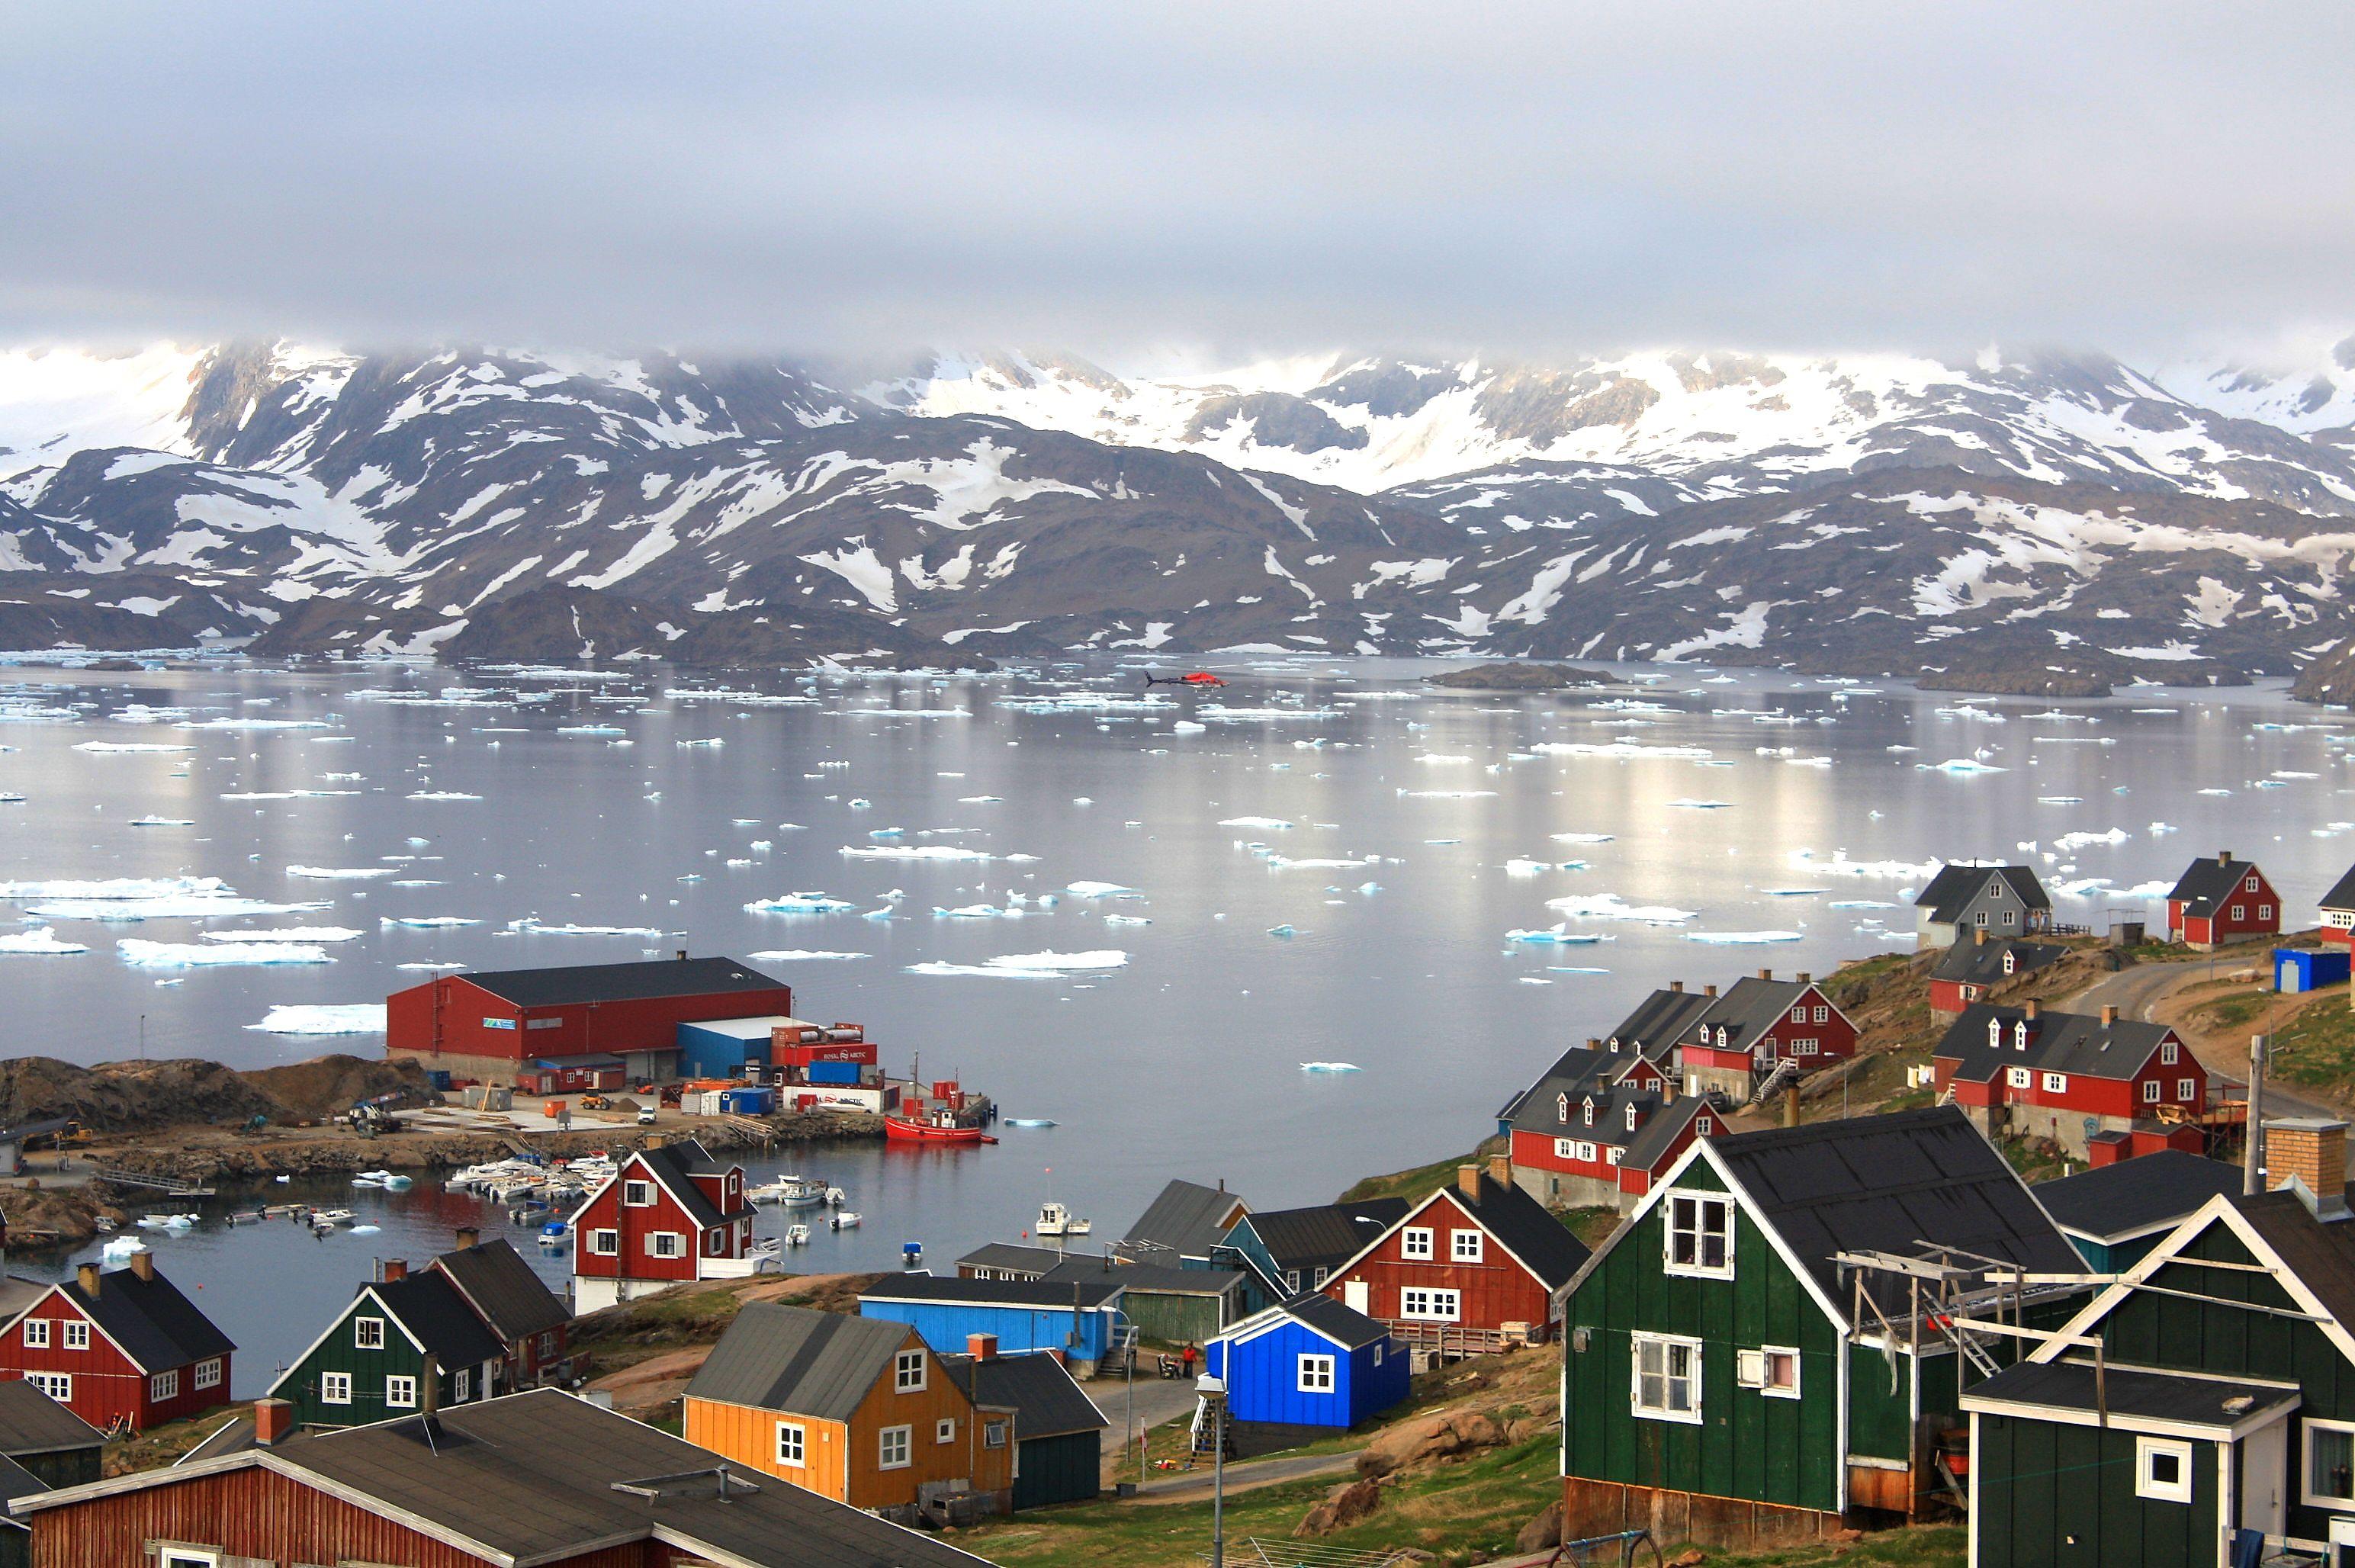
x,y
2204,1399
374,1361
1758,1355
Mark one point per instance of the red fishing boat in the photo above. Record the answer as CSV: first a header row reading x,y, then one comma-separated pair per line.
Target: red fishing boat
x,y
902,1128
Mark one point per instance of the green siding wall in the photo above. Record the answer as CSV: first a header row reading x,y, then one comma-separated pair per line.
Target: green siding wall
x,y
368,1369
1747,1445
2061,1494
1173,1320
1058,1469
1880,1418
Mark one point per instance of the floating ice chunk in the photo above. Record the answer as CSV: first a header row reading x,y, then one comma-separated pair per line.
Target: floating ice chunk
x,y
802,956
126,746
913,852
1270,823
336,1018
531,926
1961,765
1370,889
1281,931
801,903
708,740
160,822
338,873
1622,750
198,954
1583,837
288,933
1859,903
1793,892
1285,863
980,799
1531,868
1330,1066
2060,800
976,912
1609,906
590,730
429,921
442,794
1691,805
1097,889
1446,793
1839,865
1186,727
118,888
41,939
1741,938
1560,936
1030,965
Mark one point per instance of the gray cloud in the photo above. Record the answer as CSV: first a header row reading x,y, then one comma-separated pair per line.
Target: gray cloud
x,y
1524,177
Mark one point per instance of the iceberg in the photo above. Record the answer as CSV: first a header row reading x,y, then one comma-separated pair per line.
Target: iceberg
x,y
801,956
1330,1066
198,954
531,926
801,903
428,921
124,746
913,852
1744,938
160,822
1097,889
335,1017
1609,906
287,933
442,794
1272,824
1030,965
338,873
1560,936
41,939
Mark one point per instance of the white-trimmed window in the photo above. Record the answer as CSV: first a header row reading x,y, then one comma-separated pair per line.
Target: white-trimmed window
x,y
2328,1470
908,1372
2169,1053
462,1385
400,1393
944,1429
1563,1148
335,1387
2150,1090
2185,1088
992,1433
2250,885
604,1243
1667,1380
59,1386
2056,1083
665,1245
1772,1370
1561,1107
1315,1375
208,1374
2163,1470
637,1195
793,1444
1823,1015
164,1385
2264,912
1429,1305
1631,1118
1798,1015
36,1333
1805,1047
367,1333
186,1557
2235,912
2018,1077
1700,1234
76,1335
1464,1246
1704,1125
892,1446
1414,1243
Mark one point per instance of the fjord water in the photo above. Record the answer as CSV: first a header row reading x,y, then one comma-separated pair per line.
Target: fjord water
x,y
1406,806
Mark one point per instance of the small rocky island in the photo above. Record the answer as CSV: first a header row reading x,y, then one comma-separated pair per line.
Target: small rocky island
x,y
1512,675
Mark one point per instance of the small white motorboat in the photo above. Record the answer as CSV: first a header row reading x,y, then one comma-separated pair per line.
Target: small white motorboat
x,y
835,1198
1055,1219
843,1220
326,1217
795,1190
798,1236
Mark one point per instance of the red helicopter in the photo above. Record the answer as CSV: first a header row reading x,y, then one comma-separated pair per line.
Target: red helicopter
x,y
1199,677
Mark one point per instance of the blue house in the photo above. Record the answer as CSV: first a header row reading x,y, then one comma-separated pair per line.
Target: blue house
x,y
1310,1362
1081,1318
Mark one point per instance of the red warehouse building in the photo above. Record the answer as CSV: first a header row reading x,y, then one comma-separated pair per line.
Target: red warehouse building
x,y
2069,1077
672,1213
2222,900
1472,1267
501,1026
1758,1027
124,1349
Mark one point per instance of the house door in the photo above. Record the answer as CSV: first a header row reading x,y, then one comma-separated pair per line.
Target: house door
x,y
1356,1297
2265,1477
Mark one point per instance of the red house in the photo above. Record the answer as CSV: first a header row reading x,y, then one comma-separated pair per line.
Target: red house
x,y
671,1214
123,1350
498,1026
2222,900
1472,1267
1965,972
1758,1026
509,1298
1596,1135
2066,1077
2338,911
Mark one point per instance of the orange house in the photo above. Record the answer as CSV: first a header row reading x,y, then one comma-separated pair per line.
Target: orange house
x,y
854,1409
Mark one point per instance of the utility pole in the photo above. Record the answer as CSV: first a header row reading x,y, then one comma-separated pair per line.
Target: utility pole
x,y
2253,1138
1214,1393
142,1037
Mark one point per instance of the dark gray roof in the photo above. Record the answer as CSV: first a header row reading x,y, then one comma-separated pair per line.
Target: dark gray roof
x,y
531,1477
1542,1113
1661,1020
33,1423
1750,1008
1037,1387
1324,1236
1956,886
1656,1132
234,1435
501,1288
1187,1218
622,981
2322,1257
2112,1203
1981,962
1343,1325
1090,1293
1008,1255
155,1325
2342,892
432,1311
1151,1278
2057,1042
676,1165
1890,1184
2207,882
818,1364
16,1481
1521,1224
2131,1392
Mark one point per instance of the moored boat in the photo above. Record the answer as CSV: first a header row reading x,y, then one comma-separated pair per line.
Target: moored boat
x,y
901,1128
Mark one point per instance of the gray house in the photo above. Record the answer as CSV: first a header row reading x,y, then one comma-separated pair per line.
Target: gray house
x,y
2002,901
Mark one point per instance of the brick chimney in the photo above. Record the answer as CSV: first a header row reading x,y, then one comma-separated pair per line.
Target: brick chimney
x,y
86,1276
144,1265
1766,974
2312,1151
1467,1180
1500,1169
2109,1014
981,1347
390,1269
273,1421
1676,985
2224,857
1805,978
1709,989
1978,937
2033,1008
468,1236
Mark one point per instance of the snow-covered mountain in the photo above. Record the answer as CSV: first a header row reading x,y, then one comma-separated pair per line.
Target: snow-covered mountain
x,y
2063,517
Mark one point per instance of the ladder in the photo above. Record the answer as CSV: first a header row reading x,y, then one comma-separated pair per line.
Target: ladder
x,y
1966,1344
1207,1433
1786,1072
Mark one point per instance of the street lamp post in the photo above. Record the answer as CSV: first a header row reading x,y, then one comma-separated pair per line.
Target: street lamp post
x,y
1214,1398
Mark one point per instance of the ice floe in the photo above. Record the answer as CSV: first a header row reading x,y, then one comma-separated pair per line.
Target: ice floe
x,y
322,1018
1030,965
41,940
207,956
801,903
1610,906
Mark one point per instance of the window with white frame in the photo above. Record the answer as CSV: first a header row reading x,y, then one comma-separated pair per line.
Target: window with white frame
x,y
2056,1083
400,1393
604,1243
1798,1015
164,1385
1292,1281
76,1335
637,1195
2264,912
2186,1089
1563,1148
59,1386
1414,1242
2150,1090
944,1429
2169,1053
1561,1107
2017,1077
2163,1470
2329,1467
793,1444
462,1385
2010,918
335,1387
1704,1125
1823,1015
1586,1113
1805,1047
367,1333
36,1333
186,1557
908,1372
665,1245
1772,1370
1429,1305
1464,1246
2235,912
208,1374
1631,1118
1699,1235
892,1446
1315,1375
548,1343
2250,885
1667,1382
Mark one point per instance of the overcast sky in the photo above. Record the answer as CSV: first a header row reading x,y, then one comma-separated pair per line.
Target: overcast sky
x,y
1119,180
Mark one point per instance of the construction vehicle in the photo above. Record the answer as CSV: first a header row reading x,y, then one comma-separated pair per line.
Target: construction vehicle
x,y
596,1103
72,1135
369,1117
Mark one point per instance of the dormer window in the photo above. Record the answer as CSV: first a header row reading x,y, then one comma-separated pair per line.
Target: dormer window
x,y
1614,1045
1631,1118
1561,1107
1994,1033
2007,963
1590,1113
2019,1036
1721,1034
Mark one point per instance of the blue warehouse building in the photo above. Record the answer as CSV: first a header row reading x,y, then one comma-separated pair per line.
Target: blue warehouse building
x,y
1310,1363
1080,1319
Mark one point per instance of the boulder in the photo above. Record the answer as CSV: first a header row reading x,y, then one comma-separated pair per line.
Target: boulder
x,y
1345,1505
1541,1532
1431,1440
